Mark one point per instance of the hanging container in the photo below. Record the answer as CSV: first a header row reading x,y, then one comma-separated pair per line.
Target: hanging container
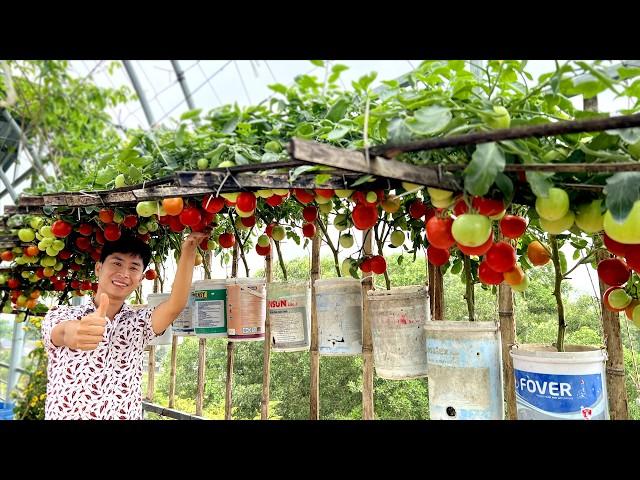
x,y
552,385
339,311
209,308
289,307
465,370
246,309
153,300
398,317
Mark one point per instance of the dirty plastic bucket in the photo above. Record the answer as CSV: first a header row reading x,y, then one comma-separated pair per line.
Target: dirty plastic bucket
x,y
6,410
552,385
289,307
398,317
339,310
183,325
153,300
465,370
246,309
209,308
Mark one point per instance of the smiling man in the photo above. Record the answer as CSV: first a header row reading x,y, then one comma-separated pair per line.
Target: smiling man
x,y
95,351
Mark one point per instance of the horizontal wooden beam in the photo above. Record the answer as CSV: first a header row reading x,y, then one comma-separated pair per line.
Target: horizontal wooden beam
x,y
169,412
356,161
557,167
526,131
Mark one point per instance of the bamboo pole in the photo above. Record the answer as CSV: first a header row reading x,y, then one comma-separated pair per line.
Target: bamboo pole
x,y
508,337
367,341
172,373
202,351
228,396
436,292
314,410
266,369
151,376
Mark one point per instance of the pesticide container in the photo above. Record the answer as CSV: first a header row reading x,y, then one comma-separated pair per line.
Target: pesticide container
x,y
153,300
339,310
289,307
183,325
465,370
209,308
398,317
246,309
552,385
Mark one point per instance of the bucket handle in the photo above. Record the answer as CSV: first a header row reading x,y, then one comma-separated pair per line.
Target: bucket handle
x,y
252,292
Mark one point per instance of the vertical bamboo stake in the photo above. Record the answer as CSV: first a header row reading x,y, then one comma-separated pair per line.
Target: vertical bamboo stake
x,y
228,397
616,388
151,374
172,373
508,336
436,292
266,369
202,351
314,410
367,341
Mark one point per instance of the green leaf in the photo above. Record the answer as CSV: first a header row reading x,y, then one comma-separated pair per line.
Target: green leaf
x,y
268,157
179,138
622,190
322,178
338,109
456,268
400,259
364,81
304,130
318,63
134,174
336,70
240,159
628,72
629,135
539,183
278,88
361,180
338,132
486,162
429,120
576,254
191,114
505,185
300,170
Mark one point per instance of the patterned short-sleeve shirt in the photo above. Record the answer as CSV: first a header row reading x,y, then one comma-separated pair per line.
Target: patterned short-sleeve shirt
x,y
104,383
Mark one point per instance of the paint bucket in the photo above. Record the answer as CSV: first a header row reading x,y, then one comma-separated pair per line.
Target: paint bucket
x,y
398,317
153,300
289,307
6,410
246,309
183,325
465,370
209,308
552,385
339,311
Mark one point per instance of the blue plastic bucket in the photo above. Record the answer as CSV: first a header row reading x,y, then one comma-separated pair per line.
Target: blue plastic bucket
x,y
6,411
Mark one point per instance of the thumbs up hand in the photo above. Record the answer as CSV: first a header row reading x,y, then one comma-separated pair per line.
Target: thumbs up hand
x,y
88,332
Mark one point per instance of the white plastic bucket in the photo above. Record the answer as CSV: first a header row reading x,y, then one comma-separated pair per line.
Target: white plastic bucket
x,y
339,310
246,309
153,300
209,308
465,370
398,317
289,307
552,385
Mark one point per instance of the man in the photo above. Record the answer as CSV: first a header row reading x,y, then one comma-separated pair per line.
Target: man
x,y
95,351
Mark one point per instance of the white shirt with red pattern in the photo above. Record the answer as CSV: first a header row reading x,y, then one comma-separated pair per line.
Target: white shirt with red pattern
x,y
104,383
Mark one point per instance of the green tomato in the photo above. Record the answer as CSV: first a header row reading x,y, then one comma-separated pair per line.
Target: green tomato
x,y
343,193
471,229
346,241
58,244
273,146
120,181
628,231
635,317
618,298
3,279
147,208
46,232
226,164
341,222
325,208
52,252
36,222
397,238
26,235
203,164
118,217
7,308
278,233
522,286
554,206
438,194
589,217
499,119
263,241
556,227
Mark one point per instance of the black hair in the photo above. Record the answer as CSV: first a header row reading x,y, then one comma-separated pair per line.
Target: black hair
x,y
127,244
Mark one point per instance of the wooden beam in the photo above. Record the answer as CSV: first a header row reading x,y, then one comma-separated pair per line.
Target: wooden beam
x,y
151,373
355,161
202,357
436,292
169,412
172,372
314,398
508,338
228,397
266,358
367,339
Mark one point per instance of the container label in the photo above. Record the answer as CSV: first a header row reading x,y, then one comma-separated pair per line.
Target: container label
x,y
210,311
544,395
288,326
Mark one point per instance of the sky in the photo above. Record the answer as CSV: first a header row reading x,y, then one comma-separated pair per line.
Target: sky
x,y
217,82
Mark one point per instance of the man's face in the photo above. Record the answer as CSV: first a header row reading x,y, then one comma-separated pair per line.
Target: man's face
x,y
119,275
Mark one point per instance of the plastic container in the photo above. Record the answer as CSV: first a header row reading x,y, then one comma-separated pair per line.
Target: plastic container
x,y
398,317
153,300
246,309
6,411
209,308
289,306
339,310
552,385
